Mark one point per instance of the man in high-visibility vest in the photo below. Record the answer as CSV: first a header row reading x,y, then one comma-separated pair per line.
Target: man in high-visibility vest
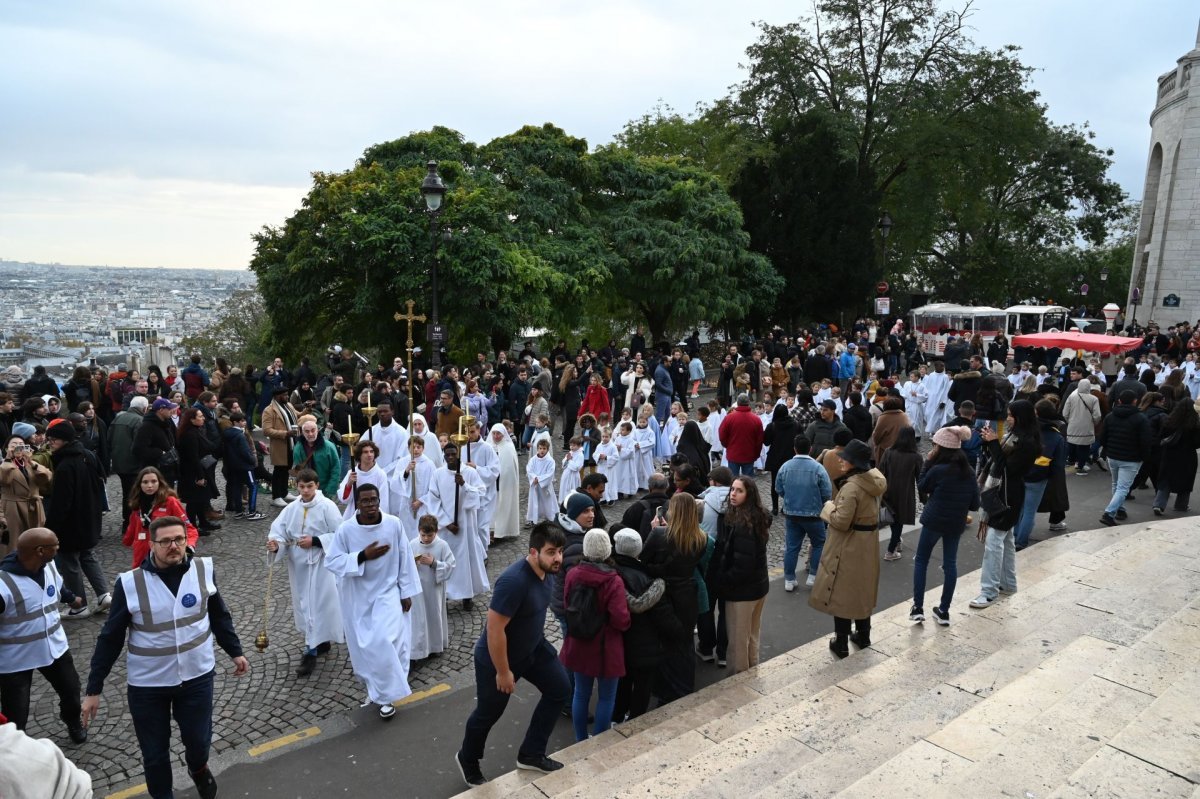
x,y
31,634
171,611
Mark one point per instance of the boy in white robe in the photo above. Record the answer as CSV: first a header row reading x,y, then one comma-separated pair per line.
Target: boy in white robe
x,y
376,581
435,564
408,486
643,446
626,460
572,467
454,484
296,535
367,470
938,409
716,415
543,504
606,464
914,402
390,436
481,456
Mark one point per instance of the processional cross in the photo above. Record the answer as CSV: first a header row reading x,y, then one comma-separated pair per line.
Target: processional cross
x,y
410,317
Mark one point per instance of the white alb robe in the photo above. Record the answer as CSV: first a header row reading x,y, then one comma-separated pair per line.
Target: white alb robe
x,y
607,465
543,504
914,404
714,423
670,437
433,448
378,631
375,476
627,464
506,520
470,574
568,481
938,408
401,492
392,442
487,466
315,605
643,440
431,627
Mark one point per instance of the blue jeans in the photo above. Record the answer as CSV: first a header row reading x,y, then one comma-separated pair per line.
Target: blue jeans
x,y
607,687
1164,493
544,670
742,468
1122,473
925,545
151,710
1033,497
999,563
662,406
797,528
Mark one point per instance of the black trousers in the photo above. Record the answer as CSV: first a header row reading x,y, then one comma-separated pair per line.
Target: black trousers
x,y
633,692
279,482
61,674
841,627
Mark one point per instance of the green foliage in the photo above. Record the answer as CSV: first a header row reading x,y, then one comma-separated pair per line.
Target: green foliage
x,y
240,334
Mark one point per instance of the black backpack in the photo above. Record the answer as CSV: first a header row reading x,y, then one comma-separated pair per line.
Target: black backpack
x,y
585,619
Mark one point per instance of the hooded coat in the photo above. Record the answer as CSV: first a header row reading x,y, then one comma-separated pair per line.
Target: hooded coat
x,y
74,509
847,584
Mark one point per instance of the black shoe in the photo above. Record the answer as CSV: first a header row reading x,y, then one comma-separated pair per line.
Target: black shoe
x,y
204,532
307,664
566,711
916,613
469,769
840,648
538,763
77,731
467,604
1121,515
1107,520
1130,496
209,528
206,786
942,617
323,649
860,639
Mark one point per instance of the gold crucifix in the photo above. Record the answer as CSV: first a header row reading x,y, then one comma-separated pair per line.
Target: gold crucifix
x,y
410,317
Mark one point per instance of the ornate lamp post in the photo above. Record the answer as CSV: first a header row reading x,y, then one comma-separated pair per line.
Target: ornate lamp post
x,y
433,190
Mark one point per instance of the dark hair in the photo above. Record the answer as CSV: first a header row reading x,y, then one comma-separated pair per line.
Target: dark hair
x,y
954,458
1025,421
134,500
966,405
1182,417
544,533
842,437
358,489
1045,409
721,476
906,440
593,479
427,522
306,476
893,404
856,398
1127,397
165,521
185,420
237,416
750,516
800,444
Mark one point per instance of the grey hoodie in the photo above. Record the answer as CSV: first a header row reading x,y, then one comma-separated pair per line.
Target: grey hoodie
x,y
714,498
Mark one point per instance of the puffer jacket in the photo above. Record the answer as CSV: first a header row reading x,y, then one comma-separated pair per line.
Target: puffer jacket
x,y
653,632
847,583
1125,434
737,571
949,494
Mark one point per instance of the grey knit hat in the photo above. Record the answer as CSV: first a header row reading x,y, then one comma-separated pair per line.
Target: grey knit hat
x,y
628,542
596,545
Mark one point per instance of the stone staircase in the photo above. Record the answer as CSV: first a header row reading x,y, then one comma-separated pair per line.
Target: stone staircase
x,y
1085,683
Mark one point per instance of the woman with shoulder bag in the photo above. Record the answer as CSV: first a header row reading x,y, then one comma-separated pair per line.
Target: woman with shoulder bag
x,y
194,448
1177,470
1003,497
737,572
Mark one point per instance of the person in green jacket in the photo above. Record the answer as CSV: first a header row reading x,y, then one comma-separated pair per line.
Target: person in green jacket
x,y
314,451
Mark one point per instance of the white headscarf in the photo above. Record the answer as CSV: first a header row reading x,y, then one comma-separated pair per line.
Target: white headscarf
x,y
433,449
507,517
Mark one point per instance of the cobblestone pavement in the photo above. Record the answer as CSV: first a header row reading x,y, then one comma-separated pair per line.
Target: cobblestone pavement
x,y
270,701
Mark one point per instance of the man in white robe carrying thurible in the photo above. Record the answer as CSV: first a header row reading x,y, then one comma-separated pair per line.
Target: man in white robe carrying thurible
x,y
377,580
454,496
296,534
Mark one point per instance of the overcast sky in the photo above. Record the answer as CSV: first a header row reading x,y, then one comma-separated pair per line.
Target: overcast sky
x,y
143,133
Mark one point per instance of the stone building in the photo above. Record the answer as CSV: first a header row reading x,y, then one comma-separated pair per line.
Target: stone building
x,y
1166,264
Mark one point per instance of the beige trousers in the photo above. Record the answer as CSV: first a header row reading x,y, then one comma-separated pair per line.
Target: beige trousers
x,y
743,622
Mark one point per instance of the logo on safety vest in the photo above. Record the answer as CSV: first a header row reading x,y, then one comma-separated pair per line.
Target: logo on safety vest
x,y
50,590
188,600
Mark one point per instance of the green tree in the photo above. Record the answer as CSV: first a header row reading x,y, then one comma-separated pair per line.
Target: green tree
x,y
241,334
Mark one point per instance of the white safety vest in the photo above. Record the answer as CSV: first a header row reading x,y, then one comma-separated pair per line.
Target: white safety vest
x,y
170,640
31,633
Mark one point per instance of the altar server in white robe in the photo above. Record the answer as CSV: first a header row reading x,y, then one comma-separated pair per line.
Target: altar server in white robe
x,y
368,470
296,537
506,521
572,467
435,564
377,580
433,449
470,574
539,470
408,486
479,455
914,401
390,435
627,460
606,464
938,408
643,445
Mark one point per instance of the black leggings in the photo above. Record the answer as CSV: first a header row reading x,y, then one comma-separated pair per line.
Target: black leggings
x,y
841,627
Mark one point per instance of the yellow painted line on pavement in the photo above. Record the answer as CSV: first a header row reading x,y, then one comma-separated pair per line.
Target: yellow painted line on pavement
x,y
773,573
271,746
128,793
440,688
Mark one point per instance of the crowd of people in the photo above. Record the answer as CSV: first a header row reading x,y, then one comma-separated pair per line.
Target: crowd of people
x,y
392,492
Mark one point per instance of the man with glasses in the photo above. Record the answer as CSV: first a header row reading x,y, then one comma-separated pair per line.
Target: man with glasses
x,y
170,609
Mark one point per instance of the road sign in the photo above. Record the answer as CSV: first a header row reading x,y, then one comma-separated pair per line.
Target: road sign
x,y
437,334
883,305
1083,290
882,287
1171,301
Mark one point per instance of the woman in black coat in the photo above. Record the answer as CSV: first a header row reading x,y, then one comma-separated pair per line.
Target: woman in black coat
x,y
193,487
781,432
901,465
737,572
693,447
1177,470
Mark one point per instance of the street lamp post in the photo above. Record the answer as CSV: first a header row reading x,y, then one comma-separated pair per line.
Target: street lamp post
x,y
433,191
885,229
1110,312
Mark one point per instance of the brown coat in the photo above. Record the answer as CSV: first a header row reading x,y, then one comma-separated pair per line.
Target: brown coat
x,y
887,427
21,502
847,582
834,466
448,422
275,428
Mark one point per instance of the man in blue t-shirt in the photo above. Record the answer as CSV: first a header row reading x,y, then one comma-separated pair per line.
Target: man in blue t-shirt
x,y
514,646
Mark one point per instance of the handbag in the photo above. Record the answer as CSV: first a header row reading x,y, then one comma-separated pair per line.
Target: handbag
x,y
207,462
886,516
994,501
169,459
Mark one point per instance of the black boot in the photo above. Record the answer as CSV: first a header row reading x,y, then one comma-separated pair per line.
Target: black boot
x,y
307,664
839,647
206,786
862,634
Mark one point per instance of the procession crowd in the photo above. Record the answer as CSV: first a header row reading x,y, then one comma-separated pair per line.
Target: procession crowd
x,y
392,488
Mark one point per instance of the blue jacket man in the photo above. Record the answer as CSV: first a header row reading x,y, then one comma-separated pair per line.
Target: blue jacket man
x,y
804,486
848,364
664,388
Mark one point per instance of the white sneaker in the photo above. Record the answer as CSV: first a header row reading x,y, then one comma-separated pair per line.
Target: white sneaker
x,y
105,602
78,613
279,502
292,497
982,601
812,579
789,585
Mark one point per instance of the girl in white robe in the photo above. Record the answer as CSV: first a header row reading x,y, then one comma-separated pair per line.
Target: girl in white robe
x,y
470,573
435,564
506,521
433,449
315,607
606,464
572,466
643,445
671,431
716,415
368,472
543,504
938,408
627,461
914,402
407,483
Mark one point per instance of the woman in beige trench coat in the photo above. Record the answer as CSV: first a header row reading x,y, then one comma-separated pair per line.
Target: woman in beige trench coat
x,y
22,481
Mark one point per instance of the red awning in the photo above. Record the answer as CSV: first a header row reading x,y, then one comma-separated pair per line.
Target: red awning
x,y
1088,342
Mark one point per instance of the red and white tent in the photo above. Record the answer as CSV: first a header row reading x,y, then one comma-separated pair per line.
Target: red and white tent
x,y
1088,342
